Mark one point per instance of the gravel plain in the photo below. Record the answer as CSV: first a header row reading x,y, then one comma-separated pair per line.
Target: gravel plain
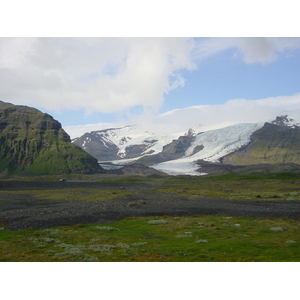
x,y
23,211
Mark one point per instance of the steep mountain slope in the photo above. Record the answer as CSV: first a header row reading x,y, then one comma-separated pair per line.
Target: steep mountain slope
x,y
35,143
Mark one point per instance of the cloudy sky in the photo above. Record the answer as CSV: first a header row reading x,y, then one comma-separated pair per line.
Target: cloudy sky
x,y
103,80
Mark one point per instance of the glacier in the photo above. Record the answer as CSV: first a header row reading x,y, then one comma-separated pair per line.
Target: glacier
x,y
216,144
216,141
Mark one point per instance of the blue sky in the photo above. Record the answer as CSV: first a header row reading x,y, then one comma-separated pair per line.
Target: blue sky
x,y
222,77
83,81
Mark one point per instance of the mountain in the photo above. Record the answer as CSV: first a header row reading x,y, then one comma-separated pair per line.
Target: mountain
x,y
125,142
275,142
181,151
34,143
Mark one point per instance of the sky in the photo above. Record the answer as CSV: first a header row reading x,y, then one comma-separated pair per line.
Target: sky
x,y
110,80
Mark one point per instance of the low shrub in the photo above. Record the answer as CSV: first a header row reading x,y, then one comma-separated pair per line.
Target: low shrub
x,y
276,228
182,236
157,222
139,244
107,228
202,241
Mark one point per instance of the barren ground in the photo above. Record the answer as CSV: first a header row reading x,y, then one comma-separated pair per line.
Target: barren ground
x,y
22,210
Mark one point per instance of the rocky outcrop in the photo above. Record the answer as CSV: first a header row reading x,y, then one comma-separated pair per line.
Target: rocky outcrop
x,y
35,143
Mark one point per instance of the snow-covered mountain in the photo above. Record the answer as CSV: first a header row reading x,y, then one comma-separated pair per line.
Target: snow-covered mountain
x,y
125,142
173,152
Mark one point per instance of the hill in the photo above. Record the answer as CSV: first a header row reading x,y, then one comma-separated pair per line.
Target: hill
x,y
34,143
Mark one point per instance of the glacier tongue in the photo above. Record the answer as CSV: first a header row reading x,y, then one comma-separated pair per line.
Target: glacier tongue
x,y
216,144
182,166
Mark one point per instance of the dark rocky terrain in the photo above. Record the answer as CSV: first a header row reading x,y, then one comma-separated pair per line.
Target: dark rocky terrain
x,y
267,168
23,211
137,169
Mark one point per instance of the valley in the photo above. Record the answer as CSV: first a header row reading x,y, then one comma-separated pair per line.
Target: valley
x,y
215,192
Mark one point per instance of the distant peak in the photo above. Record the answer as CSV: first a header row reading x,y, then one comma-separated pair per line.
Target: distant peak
x,y
285,120
282,120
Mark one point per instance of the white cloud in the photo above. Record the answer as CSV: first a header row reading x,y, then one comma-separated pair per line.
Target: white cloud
x,y
233,111
79,130
252,49
98,74
258,49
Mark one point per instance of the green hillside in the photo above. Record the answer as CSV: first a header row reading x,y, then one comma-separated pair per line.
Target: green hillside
x,y
33,142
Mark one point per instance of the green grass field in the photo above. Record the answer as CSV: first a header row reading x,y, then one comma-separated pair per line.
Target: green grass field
x,y
196,238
